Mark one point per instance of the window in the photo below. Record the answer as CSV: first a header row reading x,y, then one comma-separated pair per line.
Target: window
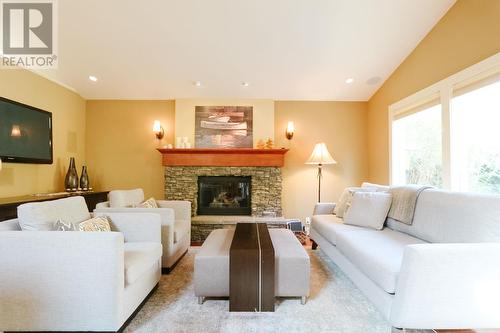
x,y
475,140
417,157
452,142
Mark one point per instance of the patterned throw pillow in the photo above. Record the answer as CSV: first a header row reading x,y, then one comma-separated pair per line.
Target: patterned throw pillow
x,y
150,203
346,197
99,223
60,225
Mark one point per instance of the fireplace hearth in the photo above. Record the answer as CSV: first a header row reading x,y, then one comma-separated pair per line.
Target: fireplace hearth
x,y
224,195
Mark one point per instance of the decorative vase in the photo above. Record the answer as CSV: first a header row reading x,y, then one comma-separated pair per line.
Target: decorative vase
x,y
71,180
84,180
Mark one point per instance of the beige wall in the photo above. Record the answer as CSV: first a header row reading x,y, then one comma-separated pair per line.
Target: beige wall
x,y
121,146
68,115
342,126
467,34
263,116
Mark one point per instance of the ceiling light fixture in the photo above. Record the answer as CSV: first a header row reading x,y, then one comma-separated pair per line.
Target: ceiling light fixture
x,y
197,83
92,78
245,84
349,80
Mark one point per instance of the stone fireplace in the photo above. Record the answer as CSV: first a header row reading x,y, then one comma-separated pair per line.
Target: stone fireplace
x,y
265,184
227,182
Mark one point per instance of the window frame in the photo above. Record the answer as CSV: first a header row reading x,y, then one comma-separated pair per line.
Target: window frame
x,y
442,91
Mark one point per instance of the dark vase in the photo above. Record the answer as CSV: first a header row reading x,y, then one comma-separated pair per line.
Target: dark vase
x,y
71,181
84,180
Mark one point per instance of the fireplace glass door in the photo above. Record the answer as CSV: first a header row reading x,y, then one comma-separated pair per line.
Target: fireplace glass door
x,y
224,195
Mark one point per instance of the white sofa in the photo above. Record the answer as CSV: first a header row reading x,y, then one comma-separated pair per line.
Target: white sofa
x,y
443,271
76,281
175,221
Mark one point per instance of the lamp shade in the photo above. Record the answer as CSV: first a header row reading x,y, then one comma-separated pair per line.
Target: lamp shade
x,y
320,155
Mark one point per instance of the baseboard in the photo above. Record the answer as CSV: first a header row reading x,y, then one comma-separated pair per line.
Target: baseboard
x,y
122,328
168,270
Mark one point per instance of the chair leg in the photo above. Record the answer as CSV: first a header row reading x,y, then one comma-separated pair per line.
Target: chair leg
x,y
303,300
201,299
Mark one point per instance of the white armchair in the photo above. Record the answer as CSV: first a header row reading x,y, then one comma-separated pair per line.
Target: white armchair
x,y
175,221
75,281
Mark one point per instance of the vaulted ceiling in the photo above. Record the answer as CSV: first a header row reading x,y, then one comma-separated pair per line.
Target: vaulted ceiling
x,y
279,49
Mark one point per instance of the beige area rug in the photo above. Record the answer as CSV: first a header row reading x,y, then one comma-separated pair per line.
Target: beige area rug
x,y
335,305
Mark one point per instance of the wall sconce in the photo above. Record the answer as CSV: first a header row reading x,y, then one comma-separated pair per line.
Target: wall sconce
x,y
158,130
290,129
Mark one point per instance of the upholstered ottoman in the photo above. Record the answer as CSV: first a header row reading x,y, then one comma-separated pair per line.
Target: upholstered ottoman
x,y
211,265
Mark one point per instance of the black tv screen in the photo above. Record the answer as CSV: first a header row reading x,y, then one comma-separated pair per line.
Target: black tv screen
x,y
25,133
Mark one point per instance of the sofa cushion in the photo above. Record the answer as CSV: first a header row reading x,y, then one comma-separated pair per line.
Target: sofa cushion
x,y
368,209
378,254
329,226
454,217
140,257
346,197
41,216
377,187
10,225
125,198
181,229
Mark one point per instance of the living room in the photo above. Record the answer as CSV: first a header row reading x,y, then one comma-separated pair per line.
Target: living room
x,y
354,143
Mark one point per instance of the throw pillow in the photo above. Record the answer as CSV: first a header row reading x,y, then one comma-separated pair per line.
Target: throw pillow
x,y
150,203
60,225
99,223
376,187
125,198
346,197
368,209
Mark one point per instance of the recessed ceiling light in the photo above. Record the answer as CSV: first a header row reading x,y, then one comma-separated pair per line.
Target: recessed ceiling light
x,y
92,78
245,84
349,80
197,83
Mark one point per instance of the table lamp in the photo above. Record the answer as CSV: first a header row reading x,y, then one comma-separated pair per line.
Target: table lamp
x,y
320,156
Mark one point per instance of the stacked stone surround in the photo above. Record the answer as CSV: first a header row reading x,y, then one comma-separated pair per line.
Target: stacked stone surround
x,y
181,183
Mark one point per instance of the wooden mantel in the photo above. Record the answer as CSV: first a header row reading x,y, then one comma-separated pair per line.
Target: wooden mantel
x,y
240,157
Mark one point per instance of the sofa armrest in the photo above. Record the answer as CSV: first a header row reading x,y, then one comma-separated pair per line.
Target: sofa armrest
x,y
448,286
324,208
166,217
181,208
71,275
166,214
104,204
145,227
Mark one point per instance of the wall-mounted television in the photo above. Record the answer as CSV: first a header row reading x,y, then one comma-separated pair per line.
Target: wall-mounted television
x,y
25,133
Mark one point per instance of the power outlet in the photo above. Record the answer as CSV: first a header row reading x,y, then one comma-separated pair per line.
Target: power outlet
x,y
308,220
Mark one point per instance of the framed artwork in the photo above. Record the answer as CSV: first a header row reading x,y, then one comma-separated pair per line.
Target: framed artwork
x,y
224,127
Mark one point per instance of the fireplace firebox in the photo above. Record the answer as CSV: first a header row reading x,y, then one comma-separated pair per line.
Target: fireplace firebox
x,y
224,195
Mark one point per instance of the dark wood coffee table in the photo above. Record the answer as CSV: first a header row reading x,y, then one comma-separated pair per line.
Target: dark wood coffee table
x,y
251,269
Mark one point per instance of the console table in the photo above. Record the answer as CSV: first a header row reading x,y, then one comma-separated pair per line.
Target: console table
x,y
251,269
8,206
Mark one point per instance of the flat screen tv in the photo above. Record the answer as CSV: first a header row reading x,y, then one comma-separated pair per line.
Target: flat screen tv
x,y
25,133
